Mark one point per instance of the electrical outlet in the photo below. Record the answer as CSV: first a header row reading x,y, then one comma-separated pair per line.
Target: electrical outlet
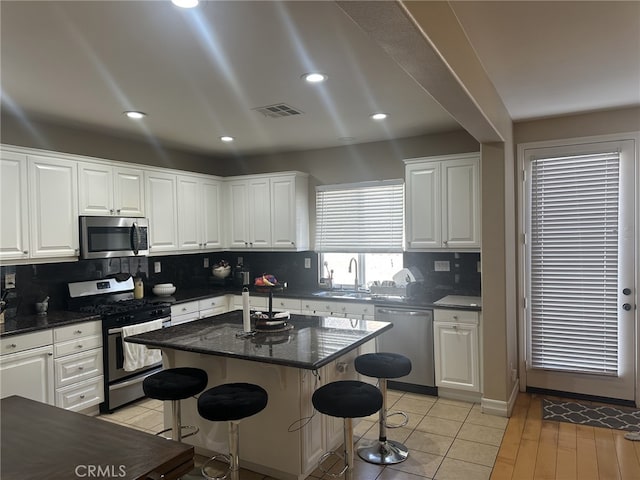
x,y
156,267
10,280
478,267
240,259
206,262
441,266
307,263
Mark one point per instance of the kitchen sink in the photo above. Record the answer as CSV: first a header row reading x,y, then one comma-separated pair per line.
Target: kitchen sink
x,y
343,294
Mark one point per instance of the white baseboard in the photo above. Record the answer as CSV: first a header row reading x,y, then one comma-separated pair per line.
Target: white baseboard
x,y
499,407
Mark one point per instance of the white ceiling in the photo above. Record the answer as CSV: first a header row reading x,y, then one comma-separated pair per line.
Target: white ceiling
x,y
200,73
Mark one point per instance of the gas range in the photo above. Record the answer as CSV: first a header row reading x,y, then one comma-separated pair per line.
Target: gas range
x,y
113,300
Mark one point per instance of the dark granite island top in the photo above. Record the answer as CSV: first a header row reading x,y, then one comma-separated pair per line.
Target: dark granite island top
x,y
312,343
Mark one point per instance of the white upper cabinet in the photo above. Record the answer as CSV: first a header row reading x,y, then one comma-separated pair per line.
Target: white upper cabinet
x,y
269,212
14,212
53,207
250,213
198,213
161,207
108,190
443,202
290,212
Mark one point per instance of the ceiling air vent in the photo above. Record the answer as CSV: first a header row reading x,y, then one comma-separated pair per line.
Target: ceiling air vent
x,y
278,110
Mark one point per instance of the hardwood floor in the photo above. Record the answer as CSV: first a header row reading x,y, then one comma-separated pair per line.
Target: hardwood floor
x,y
533,448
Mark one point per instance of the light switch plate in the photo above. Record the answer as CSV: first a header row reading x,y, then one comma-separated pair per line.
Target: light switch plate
x,y
156,267
441,266
10,280
206,262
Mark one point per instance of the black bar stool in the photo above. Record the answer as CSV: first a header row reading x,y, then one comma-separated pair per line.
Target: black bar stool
x,y
347,399
176,384
382,366
231,402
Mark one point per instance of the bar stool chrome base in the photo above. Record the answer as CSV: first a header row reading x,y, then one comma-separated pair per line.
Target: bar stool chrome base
x,y
191,431
384,453
225,459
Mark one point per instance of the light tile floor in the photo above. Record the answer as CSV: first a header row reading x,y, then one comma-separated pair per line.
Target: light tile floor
x,y
447,439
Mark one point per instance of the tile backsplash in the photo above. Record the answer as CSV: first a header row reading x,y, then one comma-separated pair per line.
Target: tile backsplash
x,y
444,273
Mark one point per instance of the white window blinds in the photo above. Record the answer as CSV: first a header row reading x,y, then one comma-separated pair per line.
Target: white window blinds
x,y
574,263
360,217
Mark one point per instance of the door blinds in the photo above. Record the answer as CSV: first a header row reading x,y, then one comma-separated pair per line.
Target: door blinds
x,y
574,263
361,217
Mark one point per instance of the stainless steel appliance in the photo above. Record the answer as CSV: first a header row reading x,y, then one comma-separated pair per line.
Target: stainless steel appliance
x,y
412,336
112,299
106,237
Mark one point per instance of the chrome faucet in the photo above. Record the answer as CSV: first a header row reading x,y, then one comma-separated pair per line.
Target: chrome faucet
x,y
353,260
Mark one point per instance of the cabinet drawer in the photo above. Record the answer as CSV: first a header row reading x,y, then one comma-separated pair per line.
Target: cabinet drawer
x,y
18,343
317,306
286,304
256,303
187,317
350,308
455,316
77,345
210,312
81,395
184,308
78,367
214,302
77,330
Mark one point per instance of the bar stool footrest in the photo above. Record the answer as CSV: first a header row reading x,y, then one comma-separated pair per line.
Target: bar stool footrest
x,y
396,425
326,472
225,458
193,431
388,452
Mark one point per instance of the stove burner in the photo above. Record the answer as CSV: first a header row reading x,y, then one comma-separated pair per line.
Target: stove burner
x,y
115,307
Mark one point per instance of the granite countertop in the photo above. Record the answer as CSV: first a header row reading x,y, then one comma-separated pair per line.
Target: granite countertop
x,y
312,342
30,323
183,295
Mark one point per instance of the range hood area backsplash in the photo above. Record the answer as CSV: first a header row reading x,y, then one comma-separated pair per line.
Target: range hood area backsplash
x,y
34,282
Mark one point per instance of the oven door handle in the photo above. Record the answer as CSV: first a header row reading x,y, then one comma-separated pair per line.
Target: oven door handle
x,y
119,385
166,322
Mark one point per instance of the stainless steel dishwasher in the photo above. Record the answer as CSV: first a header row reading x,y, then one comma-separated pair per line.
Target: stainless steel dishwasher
x,y
411,336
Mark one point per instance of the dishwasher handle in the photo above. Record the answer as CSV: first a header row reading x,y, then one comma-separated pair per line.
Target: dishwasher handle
x,y
410,313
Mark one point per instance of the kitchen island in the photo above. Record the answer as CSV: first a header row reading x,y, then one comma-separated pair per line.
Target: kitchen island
x,y
288,437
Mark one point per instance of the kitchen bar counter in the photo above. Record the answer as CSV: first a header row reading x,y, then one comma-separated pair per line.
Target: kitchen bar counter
x,y
288,437
312,343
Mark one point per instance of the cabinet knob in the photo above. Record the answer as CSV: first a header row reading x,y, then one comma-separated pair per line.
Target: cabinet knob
x,y
293,243
111,211
13,345
80,367
79,346
78,332
118,211
82,397
446,242
455,317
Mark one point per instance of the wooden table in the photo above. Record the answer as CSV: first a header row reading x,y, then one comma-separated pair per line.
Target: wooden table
x,y
41,441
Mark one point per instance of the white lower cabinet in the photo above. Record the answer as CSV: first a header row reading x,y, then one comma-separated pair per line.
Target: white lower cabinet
x,y
360,311
456,344
29,371
184,312
212,306
79,377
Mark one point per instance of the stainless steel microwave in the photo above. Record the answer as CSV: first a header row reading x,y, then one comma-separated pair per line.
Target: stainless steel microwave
x,y
106,237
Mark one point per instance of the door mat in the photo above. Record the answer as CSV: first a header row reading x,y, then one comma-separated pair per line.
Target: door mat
x,y
619,418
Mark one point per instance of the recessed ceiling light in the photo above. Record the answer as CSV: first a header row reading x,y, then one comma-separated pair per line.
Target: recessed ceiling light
x,y
314,77
185,3
227,138
135,115
379,116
